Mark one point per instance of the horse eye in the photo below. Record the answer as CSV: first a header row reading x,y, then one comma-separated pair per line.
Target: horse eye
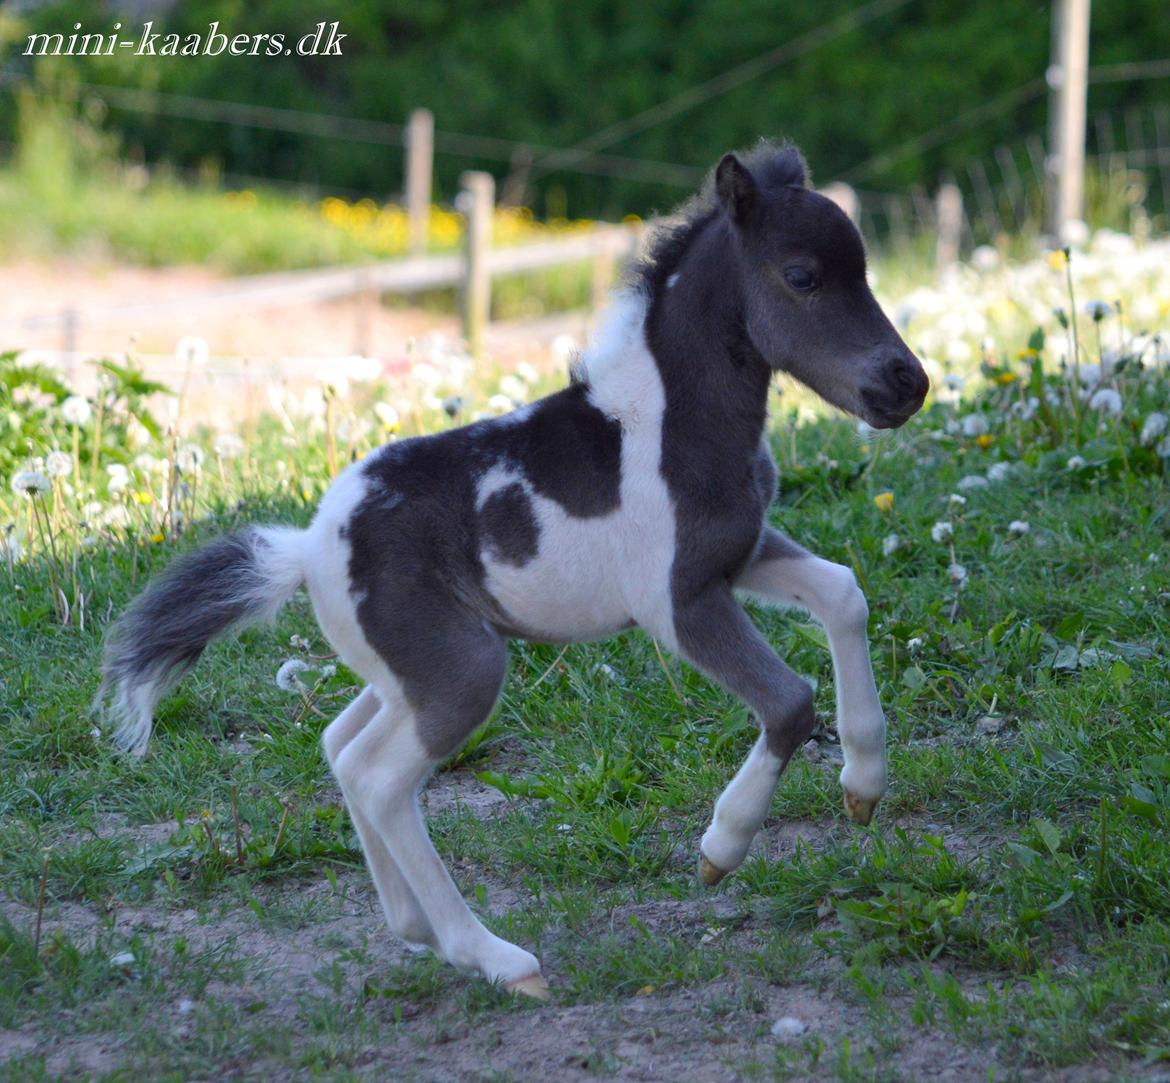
x,y
800,279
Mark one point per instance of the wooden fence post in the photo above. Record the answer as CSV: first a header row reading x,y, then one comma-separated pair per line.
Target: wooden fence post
x,y
845,196
475,201
420,152
948,212
1068,80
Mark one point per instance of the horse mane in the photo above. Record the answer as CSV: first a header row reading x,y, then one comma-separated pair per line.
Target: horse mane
x,y
774,166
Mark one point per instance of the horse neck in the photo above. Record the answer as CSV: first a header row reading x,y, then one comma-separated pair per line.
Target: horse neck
x,y
715,381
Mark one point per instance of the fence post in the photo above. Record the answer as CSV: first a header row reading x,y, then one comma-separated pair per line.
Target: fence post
x,y
845,197
475,201
366,299
948,212
1068,78
420,151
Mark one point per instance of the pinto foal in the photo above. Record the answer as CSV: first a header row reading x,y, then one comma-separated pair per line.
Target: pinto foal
x,y
636,496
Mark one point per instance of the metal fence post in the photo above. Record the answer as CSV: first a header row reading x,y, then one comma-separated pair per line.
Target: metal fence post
x,y
420,152
475,201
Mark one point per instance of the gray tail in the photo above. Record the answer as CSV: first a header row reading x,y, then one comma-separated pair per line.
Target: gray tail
x,y
237,580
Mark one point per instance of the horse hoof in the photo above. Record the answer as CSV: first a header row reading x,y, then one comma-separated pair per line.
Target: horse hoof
x,y
708,873
532,986
860,811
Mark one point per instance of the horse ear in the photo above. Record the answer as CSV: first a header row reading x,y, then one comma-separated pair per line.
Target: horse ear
x,y
735,187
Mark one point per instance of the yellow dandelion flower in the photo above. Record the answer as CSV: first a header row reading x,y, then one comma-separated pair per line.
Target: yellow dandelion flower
x,y
1058,259
141,496
158,538
1006,378
985,440
884,501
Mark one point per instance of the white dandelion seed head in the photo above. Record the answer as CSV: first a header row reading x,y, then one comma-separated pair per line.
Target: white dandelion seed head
x,y
515,388
189,458
326,671
191,350
500,404
1089,375
76,410
954,382
228,446
58,464
999,471
299,643
30,482
334,383
1098,310
942,531
914,644
1153,427
1076,462
286,677
891,544
974,425
527,373
958,575
956,500
386,414
972,481
1026,410
1107,400
118,477
1018,527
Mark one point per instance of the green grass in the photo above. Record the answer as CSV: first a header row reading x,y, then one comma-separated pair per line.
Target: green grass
x,y
1009,906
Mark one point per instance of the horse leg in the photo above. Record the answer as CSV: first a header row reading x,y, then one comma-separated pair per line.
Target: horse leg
x,y
382,768
403,913
785,574
716,636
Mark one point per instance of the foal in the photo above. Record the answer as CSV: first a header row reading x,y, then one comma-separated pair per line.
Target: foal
x,y
636,496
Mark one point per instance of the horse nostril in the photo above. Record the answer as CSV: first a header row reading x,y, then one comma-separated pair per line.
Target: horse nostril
x,y
907,376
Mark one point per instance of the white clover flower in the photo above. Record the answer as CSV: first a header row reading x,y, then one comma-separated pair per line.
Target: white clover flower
x,y
1106,400
58,464
1018,527
386,414
228,445
974,425
1152,428
286,676
500,404
30,482
956,500
891,544
972,481
942,531
1075,463
958,575
76,411
999,471
191,350
189,458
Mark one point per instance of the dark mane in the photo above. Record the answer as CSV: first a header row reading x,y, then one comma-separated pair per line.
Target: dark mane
x,y
773,167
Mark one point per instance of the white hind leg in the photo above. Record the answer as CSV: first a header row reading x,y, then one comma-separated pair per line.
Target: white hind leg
x,y
403,913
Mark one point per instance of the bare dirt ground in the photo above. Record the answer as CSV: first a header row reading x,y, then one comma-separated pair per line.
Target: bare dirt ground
x,y
708,1034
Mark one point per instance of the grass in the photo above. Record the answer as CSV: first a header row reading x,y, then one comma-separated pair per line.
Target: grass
x,y
204,911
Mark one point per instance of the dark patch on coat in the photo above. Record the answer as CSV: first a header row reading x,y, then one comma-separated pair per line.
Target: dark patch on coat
x,y
416,538
508,527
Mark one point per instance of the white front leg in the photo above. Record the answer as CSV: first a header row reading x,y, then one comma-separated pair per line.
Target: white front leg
x,y
785,575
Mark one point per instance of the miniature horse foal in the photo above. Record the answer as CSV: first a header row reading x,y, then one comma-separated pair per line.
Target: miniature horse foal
x,y
634,497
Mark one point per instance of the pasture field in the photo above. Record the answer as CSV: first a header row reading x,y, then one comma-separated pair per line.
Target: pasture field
x,y
204,913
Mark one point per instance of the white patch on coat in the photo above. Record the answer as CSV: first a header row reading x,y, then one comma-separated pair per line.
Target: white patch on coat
x,y
591,577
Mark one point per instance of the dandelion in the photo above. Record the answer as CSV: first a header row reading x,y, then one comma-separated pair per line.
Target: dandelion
x,y
1107,400
191,351
119,477
299,643
954,382
1098,310
972,481
884,501
1075,463
984,440
500,404
30,482
958,575
957,501
527,373
514,388
76,411
943,531
1018,527
387,415
58,464
189,458
914,644
1152,428
1058,259
286,677
891,544
451,405
1005,378
974,425
999,471
334,384
228,446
